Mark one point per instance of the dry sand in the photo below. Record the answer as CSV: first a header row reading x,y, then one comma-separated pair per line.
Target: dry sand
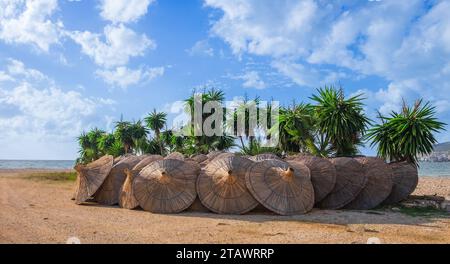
x,y
41,212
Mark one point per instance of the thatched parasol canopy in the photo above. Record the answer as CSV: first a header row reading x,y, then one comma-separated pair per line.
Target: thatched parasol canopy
x,y
211,155
127,199
281,187
350,180
323,175
147,159
166,186
405,178
109,192
265,156
378,187
175,155
199,158
221,186
91,177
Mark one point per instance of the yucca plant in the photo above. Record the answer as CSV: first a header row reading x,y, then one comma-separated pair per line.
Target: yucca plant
x,y
156,122
340,120
405,135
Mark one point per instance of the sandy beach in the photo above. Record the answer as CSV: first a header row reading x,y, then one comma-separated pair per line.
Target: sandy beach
x,y
40,211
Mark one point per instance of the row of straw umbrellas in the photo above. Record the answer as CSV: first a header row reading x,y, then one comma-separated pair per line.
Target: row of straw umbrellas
x,y
228,183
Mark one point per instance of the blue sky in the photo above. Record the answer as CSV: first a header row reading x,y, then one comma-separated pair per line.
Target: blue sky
x,y
67,66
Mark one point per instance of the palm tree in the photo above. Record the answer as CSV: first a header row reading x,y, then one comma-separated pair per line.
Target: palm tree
x,y
204,144
295,126
341,120
88,142
128,133
105,142
405,135
156,121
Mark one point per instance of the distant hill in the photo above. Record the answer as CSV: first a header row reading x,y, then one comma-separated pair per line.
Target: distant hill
x,y
442,147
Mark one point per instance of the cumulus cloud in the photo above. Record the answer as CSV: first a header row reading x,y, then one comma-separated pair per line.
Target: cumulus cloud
x,y
407,43
201,48
30,22
123,11
252,80
120,44
124,77
43,110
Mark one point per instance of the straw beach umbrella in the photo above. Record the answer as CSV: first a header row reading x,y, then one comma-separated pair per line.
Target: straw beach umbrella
x,y
199,158
221,186
166,186
211,155
283,188
91,177
323,175
109,192
350,180
265,156
405,177
175,155
378,187
127,199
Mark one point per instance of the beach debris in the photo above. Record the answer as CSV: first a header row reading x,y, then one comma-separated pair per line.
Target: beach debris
x,y
221,186
405,178
109,192
323,175
265,156
425,201
378,187
91,176
445,205
350,181
166,186
175,155
127,199
281,187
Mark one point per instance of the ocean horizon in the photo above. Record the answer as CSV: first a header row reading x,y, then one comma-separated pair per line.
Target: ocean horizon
x,y
433,169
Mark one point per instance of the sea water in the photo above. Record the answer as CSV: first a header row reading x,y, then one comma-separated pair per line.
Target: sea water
x,y
425,168
36,164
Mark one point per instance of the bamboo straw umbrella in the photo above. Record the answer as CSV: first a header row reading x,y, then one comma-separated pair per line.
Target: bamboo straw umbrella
x,y
91,177
127,199
350,180
323,175
211,155
199,158
221,186
378,187
166,186
109,192
265,156
282,188
405,179
175,155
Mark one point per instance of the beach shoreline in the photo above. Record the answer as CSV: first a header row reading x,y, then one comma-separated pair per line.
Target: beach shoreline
x,y
41,211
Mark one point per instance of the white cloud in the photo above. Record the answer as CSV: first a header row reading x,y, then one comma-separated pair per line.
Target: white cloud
x,y
124,77
407,43
5,77
121,43
29,22
201,48
123,11
17,68
44,111
252,80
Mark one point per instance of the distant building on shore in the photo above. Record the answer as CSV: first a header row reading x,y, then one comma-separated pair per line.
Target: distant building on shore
x,y
441,153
